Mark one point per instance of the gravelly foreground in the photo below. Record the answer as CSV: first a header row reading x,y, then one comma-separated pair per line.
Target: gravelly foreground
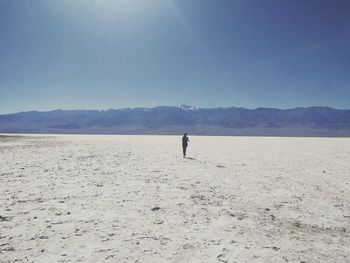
x,y
135,199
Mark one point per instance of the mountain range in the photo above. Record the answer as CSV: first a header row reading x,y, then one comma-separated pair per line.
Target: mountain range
x,y
311,121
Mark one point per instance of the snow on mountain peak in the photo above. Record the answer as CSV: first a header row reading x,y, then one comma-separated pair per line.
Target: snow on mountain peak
x,y
187,107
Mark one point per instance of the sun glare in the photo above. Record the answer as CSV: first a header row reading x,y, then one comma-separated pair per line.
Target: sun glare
x,y
125,9
108,10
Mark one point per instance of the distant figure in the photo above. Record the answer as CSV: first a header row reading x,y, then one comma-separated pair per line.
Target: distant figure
x,y
185,142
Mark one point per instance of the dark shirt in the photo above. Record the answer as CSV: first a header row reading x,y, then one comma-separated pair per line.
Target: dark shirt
x,y
184,141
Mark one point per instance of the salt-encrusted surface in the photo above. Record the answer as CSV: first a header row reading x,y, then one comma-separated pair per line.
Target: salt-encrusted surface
x,y
135,199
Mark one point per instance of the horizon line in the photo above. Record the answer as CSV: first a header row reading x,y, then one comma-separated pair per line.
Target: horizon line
x,y
175,106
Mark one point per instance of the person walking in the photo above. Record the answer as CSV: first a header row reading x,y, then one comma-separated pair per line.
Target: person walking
x,y
185,142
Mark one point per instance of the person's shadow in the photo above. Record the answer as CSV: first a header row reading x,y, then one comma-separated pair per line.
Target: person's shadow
x,y
190,158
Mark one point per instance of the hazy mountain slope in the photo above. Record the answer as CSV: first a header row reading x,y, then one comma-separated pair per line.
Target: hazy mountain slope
x,y
313,121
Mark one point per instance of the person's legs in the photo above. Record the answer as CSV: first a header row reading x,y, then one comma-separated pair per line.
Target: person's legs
x,y
184,150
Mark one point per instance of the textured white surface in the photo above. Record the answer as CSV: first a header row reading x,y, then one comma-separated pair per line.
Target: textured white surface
x,y
236,199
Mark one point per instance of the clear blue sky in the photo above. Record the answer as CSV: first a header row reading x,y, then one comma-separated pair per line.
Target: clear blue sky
x,y
100,54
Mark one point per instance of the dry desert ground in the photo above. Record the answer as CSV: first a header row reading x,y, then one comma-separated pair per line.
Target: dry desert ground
x,y
86,198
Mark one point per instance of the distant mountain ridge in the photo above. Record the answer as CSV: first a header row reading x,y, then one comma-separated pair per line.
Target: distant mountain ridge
x,y
312,121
